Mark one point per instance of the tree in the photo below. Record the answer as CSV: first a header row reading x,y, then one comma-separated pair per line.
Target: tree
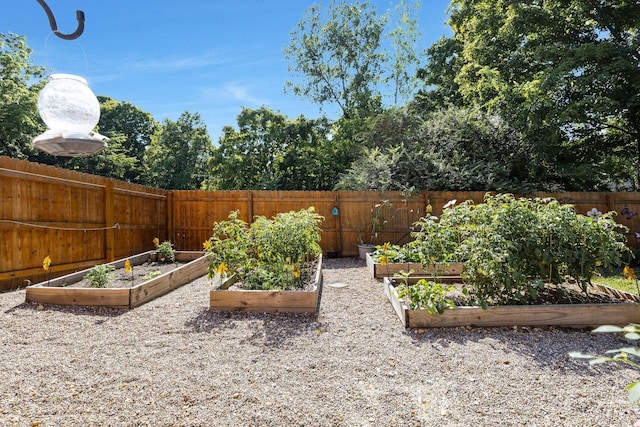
x,y
567,75
19,88
403,76
131,128
341,57
268,151
246,158
179,153
452,149
113,162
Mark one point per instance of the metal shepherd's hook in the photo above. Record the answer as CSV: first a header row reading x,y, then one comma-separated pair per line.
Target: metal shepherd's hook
x,y
54,26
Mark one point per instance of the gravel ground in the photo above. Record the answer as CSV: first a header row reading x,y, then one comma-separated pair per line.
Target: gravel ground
x,y
172,362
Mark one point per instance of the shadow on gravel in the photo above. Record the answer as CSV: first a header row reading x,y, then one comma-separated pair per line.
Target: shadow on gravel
x,y
549,347
70,309
273,329
342,263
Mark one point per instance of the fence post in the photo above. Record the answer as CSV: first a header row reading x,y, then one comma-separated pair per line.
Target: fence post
x,y
338,219
169,218
109,221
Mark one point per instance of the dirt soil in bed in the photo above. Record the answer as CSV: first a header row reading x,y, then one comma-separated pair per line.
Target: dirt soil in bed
x,y
175,362
140,274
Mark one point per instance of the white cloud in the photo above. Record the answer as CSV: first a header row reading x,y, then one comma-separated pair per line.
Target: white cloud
x,y
182,63
243,93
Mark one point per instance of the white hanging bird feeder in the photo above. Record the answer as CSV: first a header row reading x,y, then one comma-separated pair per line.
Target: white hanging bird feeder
x,y
71,111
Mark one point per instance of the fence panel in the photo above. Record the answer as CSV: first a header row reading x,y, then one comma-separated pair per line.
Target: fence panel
x,y
78,220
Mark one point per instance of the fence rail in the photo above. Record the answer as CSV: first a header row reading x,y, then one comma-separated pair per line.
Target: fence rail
x,y
80,220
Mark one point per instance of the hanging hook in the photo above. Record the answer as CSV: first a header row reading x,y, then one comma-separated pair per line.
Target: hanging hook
x,y
54,26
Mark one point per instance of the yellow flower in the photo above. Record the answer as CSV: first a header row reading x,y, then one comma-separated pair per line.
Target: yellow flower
x,y
127,266
383,260
629,273
46,263
156,241
222,268
296,271
386,246
206,245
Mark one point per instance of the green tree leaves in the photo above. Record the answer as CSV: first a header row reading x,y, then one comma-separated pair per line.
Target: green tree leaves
x,y
19,119
566,75
345,54
269,151
179,154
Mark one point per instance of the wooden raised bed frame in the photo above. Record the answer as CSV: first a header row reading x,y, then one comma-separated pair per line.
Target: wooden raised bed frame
x,y
451,272
258,301
568,315
57,291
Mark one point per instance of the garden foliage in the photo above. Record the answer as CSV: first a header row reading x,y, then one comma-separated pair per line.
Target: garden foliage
x,y
100,275
269,253
512,246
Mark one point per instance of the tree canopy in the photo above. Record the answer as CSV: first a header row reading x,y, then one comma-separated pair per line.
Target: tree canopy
x,y
179,153
567,75
274,152
348,55
19,88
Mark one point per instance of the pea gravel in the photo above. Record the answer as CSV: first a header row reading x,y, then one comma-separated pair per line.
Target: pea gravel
x,y
173,362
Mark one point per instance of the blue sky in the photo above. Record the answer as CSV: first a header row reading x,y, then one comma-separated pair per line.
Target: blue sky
x,y
213,57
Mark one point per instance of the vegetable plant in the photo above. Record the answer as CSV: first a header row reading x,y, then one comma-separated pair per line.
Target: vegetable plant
x,y
165,252
100,275
395,253
269,253
426,295
512,246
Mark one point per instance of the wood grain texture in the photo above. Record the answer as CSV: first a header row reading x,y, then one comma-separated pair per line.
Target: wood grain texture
x,y
568,315
268,301
447,272
58,292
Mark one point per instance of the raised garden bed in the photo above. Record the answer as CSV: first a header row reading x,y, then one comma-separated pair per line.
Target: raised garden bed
x,y
450,272
258,301
626,311
60,291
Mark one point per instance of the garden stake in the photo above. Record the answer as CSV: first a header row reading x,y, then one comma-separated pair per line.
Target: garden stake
x,y
128,268
46,263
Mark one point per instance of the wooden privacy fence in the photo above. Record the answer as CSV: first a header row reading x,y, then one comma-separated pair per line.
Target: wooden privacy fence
x,y
76,219
81,220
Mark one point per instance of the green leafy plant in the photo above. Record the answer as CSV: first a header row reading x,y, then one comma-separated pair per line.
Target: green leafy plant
x,y
151,275
627,355
426,295
165,252
269,253
100,275
390,253
376,222
512,246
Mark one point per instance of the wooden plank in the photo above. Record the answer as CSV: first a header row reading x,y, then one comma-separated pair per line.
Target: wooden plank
x,y
169,281
569,315
58,268
446,271
264,301
45,179
258,301
398,306
114,298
